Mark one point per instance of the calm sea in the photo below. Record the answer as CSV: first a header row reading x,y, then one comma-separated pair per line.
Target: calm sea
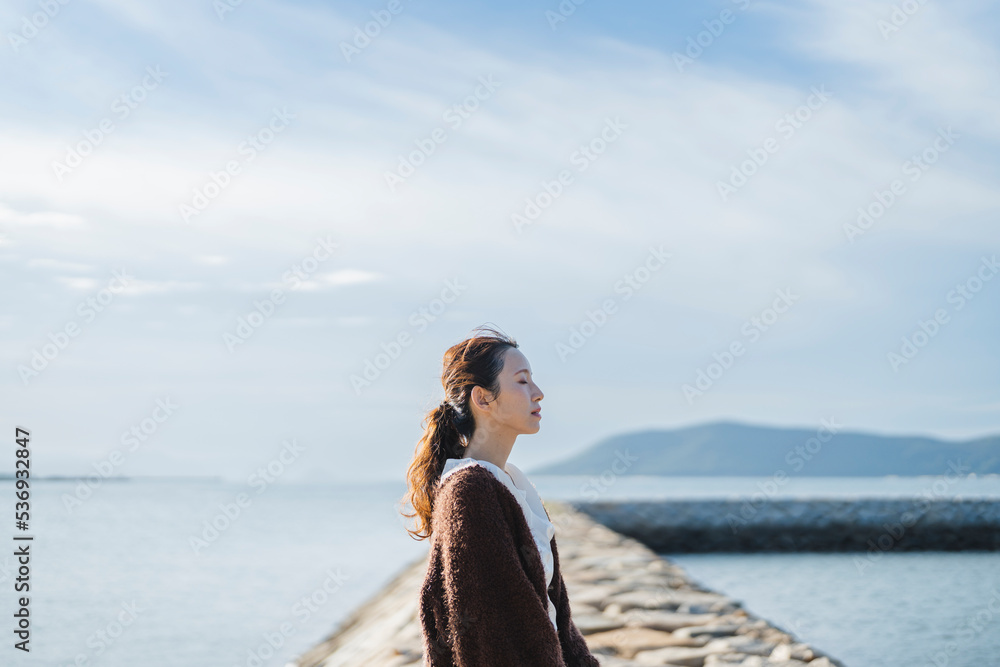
x,y
121,579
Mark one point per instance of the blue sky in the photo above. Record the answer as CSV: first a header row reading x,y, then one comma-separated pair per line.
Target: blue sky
x,y
217,156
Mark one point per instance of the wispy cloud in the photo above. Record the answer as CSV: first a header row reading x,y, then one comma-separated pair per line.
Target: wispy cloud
x,y
54,219
139,287
59,265
655,184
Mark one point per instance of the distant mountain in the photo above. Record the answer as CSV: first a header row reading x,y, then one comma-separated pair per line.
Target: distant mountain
x,y
732,448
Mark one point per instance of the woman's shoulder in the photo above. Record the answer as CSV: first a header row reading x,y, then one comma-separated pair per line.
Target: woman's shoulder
x,y
465,481
474,513
472,491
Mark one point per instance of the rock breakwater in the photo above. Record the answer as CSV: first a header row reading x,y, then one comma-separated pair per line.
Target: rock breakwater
x,y
781,524
633,606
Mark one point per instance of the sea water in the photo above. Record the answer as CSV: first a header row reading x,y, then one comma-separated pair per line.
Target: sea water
x,y
178,572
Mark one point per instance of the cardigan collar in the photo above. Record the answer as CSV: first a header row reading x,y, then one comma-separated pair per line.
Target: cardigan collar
x,y
520,487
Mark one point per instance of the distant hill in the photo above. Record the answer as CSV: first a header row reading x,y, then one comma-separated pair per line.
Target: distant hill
x,y
732,448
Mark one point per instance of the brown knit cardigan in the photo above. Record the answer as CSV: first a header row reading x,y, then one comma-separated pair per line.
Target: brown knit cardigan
x,y
482,603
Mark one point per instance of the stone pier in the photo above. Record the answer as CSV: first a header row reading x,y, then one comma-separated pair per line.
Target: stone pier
x,y
633,606
789,524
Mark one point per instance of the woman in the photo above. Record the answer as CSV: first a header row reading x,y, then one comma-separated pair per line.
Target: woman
x,y
493,594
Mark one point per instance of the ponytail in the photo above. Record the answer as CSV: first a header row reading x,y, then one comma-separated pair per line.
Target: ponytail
x,y
448,428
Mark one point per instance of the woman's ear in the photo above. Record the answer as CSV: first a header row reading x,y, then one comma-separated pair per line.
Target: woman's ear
x,y
480,398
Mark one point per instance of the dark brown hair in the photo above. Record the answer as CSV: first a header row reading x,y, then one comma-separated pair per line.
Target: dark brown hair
x,y
476,361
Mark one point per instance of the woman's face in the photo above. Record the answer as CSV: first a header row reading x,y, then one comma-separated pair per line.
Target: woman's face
x,y
517,405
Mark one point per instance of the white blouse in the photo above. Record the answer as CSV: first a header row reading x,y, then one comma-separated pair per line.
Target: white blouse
x,y
527,497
